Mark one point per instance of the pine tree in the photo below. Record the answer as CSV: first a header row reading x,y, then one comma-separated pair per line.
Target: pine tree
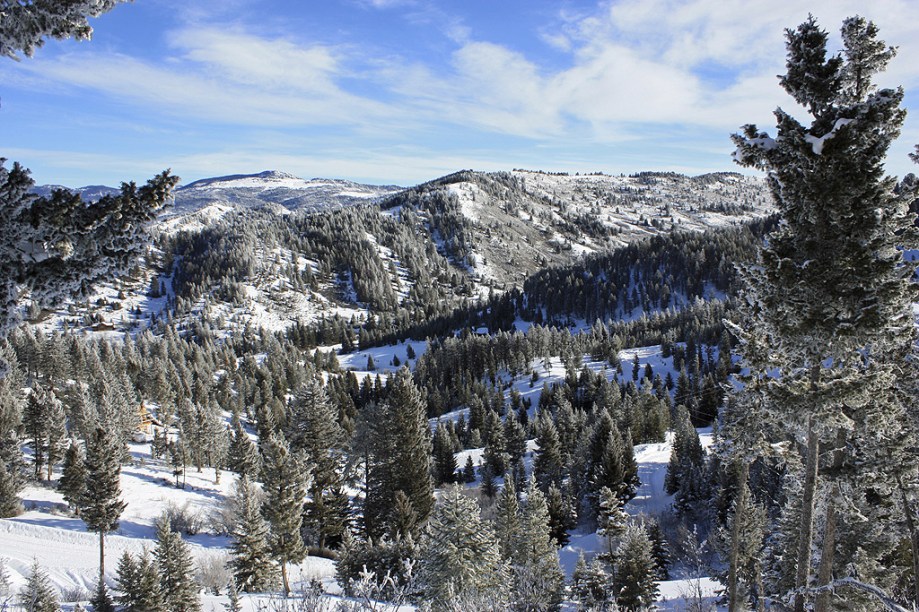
x,y
127,579
100,505
176,570
746,527
460,559
38,595
444,459
72,484
101,601
507,519
149,596
253,568
828,305
635,570
44,423
313,428
590,583
547,467
284,476
59,246
538,577
400,457
11,463
242,455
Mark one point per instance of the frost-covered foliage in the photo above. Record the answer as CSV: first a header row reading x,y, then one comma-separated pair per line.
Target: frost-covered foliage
x,y
56,247
828,329
460,557
26,24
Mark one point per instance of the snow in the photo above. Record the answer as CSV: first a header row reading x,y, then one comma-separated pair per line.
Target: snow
x,y
817,143
70,554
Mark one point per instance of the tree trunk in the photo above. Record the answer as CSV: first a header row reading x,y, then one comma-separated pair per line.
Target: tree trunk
x,y
825,571
284,579
733,560
101,554
806,536
913,539
828,553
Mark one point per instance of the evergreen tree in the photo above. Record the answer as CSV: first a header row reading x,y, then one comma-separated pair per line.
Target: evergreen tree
x,y
26,26
253,569
507,519
828,307
284,475
242,454
59,246
538,577
127,579
44,423
590,584
561,515
400,457
100,505
149,597
460,560
547,467
313,429
11,463
139,584
444,459
176,570
73,479
38,595
635,570
101,601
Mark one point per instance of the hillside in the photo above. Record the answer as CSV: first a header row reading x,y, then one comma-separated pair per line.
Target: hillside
x,y
272,250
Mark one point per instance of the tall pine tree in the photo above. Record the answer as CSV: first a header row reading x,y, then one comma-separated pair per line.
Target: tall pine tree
x,y
101,504
828,308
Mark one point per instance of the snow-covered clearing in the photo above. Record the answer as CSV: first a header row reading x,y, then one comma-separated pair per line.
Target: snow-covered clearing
x,y
60,543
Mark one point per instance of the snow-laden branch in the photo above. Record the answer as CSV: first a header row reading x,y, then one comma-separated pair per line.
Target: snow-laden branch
x,y
883,597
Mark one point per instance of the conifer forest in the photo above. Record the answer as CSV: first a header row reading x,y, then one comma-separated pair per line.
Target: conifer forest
x,y
516,390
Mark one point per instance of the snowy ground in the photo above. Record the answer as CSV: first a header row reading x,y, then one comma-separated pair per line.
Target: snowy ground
x,y
61,544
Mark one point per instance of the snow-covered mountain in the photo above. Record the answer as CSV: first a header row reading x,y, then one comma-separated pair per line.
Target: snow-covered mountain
x,y
90,193
275,190
271,250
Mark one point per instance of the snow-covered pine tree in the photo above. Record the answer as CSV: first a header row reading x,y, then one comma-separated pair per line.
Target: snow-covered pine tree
x,y
149,596
101,504
538,578
127,580
828,306
285,477
38,594
590,584
176,568
72,483
460,559
250,555
636,573
547,466
746,527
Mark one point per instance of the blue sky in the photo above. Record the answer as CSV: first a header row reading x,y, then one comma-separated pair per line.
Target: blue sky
x,y
402,91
